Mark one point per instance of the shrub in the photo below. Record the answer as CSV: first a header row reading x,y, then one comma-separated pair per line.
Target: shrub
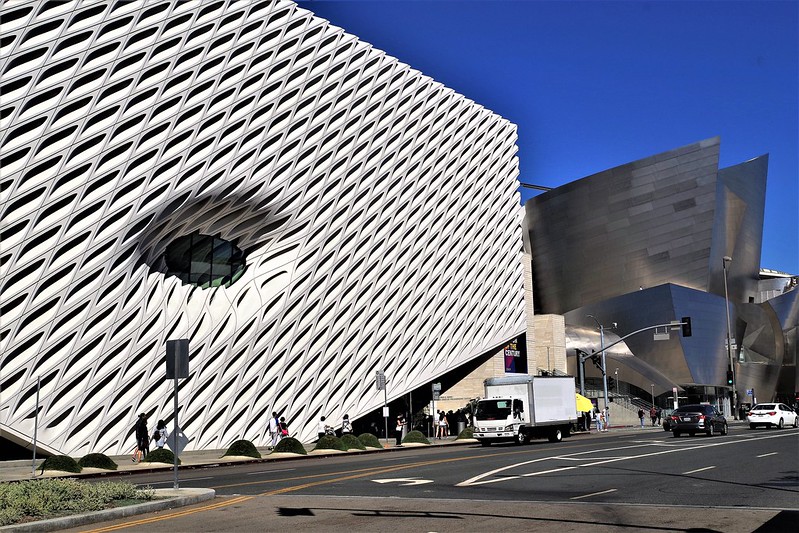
x,y
46,498
466,434
329,442
244,448
416,436
97,460
290,445
369,440
62,463
161,456
351,442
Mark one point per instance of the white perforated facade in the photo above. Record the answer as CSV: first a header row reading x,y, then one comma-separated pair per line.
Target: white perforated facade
x,y
377,209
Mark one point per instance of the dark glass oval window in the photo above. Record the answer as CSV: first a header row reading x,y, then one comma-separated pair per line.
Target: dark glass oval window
x,y
204,261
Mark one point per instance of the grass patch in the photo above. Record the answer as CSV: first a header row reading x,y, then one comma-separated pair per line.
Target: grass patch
x,y
328,442
97,460
352,443
415,437
243,448
62,463
290,445
369,440
48,498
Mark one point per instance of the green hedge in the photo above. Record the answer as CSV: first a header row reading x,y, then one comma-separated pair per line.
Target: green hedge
x,y
351,442
369,440
415,436
328,442
290,445
47,498
466,434
97,460
62,463
243,448
161,456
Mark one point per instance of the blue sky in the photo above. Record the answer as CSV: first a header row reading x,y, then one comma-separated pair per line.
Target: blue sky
x,y
592,85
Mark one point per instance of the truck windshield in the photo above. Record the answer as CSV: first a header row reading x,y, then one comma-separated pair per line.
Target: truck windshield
x,y
493,410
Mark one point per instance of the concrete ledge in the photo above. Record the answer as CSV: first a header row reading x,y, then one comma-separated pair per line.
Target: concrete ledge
x,y
171,499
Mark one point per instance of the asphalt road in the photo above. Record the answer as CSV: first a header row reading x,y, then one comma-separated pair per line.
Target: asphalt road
x,y
623,481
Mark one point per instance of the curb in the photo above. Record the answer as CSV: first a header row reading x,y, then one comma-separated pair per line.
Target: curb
x,y
186,497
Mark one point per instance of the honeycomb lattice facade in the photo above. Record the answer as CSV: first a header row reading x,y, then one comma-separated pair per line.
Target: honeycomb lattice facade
x,y
377,210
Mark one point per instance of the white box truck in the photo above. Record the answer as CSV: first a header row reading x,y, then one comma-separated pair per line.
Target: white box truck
x,y
519,408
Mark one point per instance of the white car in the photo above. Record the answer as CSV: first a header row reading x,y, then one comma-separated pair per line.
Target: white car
x,y
771,415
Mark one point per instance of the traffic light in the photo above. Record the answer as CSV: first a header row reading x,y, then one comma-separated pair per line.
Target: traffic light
x,y
686,326
729,377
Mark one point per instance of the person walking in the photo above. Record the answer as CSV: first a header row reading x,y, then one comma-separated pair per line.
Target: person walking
x,y
346,426
322,428
659,415
142,439
607,418
641,417
598,420
653,415
274,426
160,434
603,422
398,429
284,428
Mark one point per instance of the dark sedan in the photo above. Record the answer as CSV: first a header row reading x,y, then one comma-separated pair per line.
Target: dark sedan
x,y
697,418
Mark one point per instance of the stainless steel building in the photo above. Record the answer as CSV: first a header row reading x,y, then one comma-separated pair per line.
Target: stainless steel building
x,y
645,243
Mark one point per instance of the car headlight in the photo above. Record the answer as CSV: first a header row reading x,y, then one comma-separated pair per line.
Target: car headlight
x,y
509,428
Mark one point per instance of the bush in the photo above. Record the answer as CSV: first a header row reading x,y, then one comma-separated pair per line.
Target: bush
x,y
47,498
161,456
369,440
244,448
466,434
97,460
329,442
416,436
351,442
62,463
290,445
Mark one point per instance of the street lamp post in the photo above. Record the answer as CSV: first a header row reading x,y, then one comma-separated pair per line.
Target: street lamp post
x,y
616,378
724,262
652,386
602,348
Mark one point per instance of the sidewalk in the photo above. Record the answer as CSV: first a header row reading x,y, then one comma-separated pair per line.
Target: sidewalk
x,y
20,470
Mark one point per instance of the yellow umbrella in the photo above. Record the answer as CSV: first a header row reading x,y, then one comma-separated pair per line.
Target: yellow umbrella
x,y
584,405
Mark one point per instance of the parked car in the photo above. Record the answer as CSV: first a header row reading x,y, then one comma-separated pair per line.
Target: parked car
x,y
772,415
696,418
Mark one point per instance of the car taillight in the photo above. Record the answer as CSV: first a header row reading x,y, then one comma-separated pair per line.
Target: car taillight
x,y
674,418
701,417
772,413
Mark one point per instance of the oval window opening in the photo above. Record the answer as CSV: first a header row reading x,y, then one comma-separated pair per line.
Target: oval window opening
x,y
204,261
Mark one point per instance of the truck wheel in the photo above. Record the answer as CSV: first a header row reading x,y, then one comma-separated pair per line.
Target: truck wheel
x,y
485,443
522,437
556,435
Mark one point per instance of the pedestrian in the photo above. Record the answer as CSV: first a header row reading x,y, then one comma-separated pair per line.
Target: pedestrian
x,y
603,422
160,434
322,428
346,426
660,415
398,429
641,417
598,420
587,418
444,426
653,415
274,426
142,439
284,428
607,418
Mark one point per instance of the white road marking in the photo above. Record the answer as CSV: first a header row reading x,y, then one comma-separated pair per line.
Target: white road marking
x,y
767,454
480,479
698,470
549,471
404,481
592,494
269,471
